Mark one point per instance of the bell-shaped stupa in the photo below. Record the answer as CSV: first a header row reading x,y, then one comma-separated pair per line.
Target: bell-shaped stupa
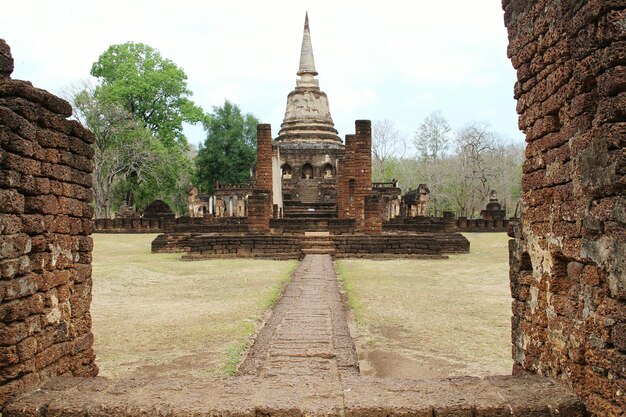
x,y
307,118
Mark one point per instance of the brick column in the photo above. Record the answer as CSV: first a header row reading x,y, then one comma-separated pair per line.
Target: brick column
x,y
259,212
45,227
355,177
264,159
346,181
567,260
373,221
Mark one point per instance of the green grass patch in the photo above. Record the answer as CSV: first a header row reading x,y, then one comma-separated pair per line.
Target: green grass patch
x,y
233,356
276,292
349,285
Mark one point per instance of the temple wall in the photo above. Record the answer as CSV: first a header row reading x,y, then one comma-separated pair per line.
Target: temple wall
x,y
231,246
567,260
138,225
206,224
45,243
299,226
399,246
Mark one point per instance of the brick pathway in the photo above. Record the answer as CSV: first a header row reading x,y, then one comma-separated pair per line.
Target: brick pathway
x,y
303,362
308,331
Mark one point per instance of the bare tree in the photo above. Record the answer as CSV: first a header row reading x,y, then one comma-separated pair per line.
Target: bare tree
x,y
432,142
474,170
461,169
506,169
432,138
387,142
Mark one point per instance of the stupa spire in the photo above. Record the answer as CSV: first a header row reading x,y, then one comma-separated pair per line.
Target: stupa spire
x,y
307,63
307,118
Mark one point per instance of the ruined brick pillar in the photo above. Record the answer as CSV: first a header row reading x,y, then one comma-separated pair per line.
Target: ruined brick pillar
x,y
264,159
373,220
354,182
567,262
259,211
45,243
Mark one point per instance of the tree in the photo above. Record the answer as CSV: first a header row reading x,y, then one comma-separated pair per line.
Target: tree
x,y
121,144
460,177
150,87
404,171
506,167
432,142
163,173
154,91
475,169
229,150
387,142
432,139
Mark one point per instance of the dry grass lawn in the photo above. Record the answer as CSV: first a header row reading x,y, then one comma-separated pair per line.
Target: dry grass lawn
x,y
156,315
433,318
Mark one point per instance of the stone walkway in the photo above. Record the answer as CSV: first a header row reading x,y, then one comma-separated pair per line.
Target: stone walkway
x,y
303,362
308,331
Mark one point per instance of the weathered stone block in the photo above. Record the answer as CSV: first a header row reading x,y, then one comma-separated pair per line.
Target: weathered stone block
x,y
41,204
21,308
19,287
16,123
12,201
10,268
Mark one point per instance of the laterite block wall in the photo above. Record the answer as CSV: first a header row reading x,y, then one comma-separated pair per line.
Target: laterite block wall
x,y
567,260
45,243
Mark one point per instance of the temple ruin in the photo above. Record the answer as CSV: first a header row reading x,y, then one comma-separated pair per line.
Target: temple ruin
x,y
307,150
307,181
308,163
566,258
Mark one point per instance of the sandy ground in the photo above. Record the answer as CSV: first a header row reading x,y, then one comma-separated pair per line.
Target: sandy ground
x,y
156,315
433,318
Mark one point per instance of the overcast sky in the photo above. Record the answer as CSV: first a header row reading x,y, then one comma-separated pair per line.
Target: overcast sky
x,y
396,60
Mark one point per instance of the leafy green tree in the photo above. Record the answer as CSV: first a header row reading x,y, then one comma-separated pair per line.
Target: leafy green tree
x,y
153,90
165,173
150,87
229,150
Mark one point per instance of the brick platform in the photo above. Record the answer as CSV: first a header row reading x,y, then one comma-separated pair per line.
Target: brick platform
x,y
200,246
